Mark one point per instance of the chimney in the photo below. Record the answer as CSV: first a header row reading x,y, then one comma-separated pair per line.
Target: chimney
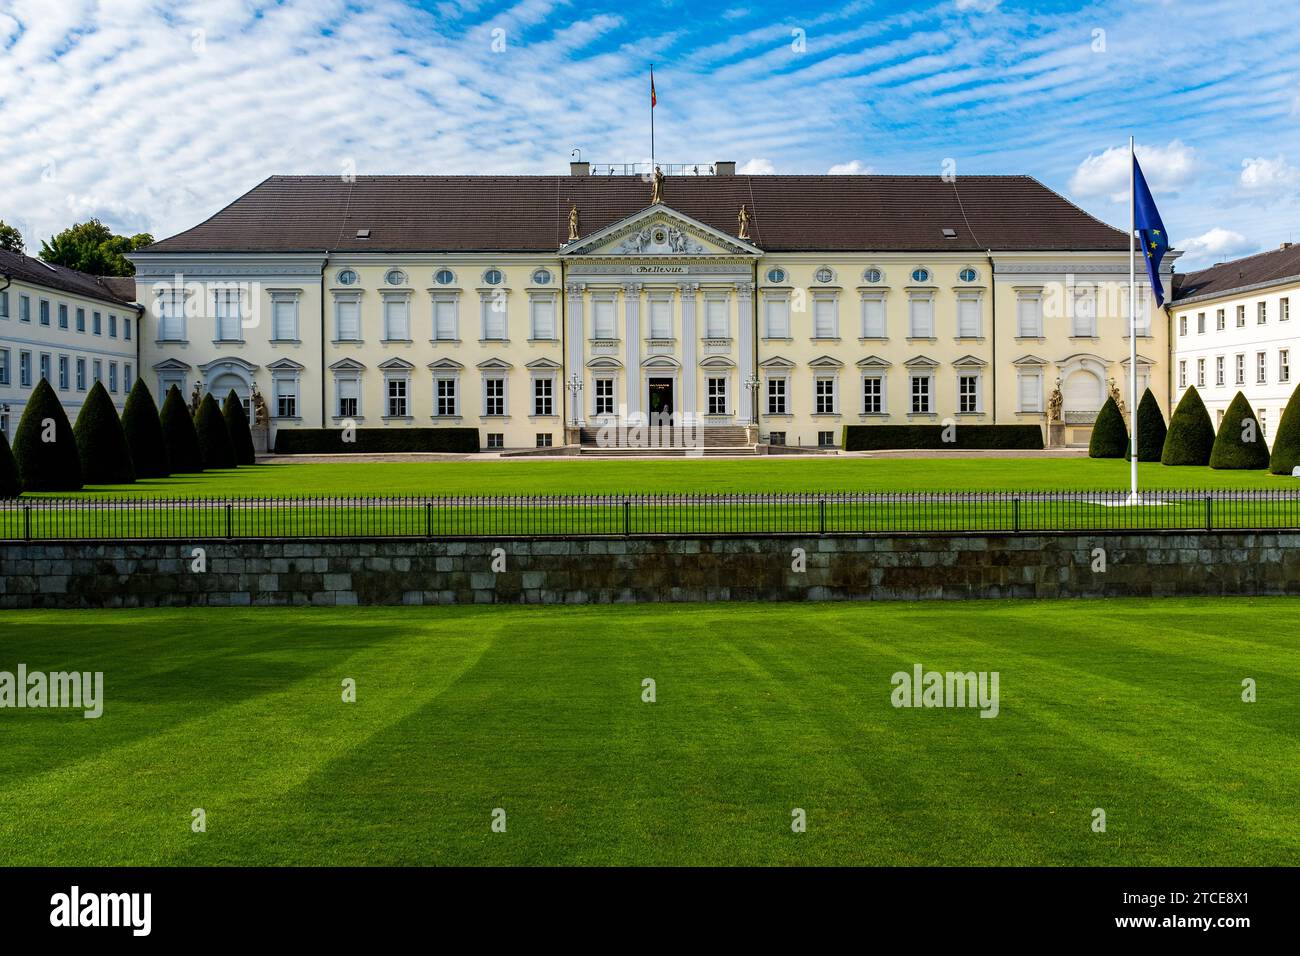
x,y
1285,245
724,168
579,169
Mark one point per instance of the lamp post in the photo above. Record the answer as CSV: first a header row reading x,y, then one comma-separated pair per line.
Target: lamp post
x,y
575,392
753,383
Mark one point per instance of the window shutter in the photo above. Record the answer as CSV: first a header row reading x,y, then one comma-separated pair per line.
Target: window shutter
x,y
444,318
824,318
873,318
968,317
605,319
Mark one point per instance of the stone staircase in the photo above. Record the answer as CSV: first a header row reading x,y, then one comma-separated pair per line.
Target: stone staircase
x,y
647,441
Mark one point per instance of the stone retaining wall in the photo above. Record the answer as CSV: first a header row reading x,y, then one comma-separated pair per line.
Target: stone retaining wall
x,y
602,570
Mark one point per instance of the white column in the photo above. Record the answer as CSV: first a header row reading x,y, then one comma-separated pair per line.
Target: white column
x,y
690,346
632,344
577,349
745,342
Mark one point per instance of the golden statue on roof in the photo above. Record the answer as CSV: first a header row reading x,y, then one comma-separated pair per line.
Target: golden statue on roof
x,y
742,219
573,223
657,187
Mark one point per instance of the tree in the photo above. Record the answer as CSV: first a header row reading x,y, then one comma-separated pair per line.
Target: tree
x,y
45,446
241,438
1109,434
179,435
1240,442
214,439
1151,429
1191,436
1286,443
144,433
94,248
11,239
101,443
11,485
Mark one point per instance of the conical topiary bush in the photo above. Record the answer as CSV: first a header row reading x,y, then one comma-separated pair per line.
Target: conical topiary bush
x,y
241,438
1240,443
178,434
1286,443
144,434
1151,429
1109,434
11,485
44,445
101,443
215,448
1191,435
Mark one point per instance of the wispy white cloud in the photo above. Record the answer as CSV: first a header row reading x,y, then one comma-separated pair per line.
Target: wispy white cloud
x,y
1166,168
1214,245
852,168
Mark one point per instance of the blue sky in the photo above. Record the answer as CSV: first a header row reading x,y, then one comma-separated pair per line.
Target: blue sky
x,y
152,115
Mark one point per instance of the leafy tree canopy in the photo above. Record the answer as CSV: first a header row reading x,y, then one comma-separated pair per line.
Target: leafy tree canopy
x,y
11,239
94,248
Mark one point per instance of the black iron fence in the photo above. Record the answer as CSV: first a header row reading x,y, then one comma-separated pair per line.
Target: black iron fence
x,y
89,518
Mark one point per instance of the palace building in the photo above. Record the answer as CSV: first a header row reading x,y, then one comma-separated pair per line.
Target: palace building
x,y
537,309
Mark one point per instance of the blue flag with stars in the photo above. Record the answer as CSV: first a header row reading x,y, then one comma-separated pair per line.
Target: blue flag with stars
x,y
1152,240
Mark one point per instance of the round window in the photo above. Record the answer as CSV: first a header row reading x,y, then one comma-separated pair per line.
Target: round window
x,y
444,277
493,277
968,275
395,277
347,277
825,275
775,275
920,275
541,277
872,275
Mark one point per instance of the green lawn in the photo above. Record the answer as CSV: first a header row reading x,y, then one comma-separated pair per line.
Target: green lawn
x,y
1133,707
495,477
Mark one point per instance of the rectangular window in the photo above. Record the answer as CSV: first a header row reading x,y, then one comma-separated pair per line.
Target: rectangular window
x,y
1182,325
446,320
776,438
284,316
4,305
1031,391
921,395
397,398
1029,316
112,326
968,393
63,315
824,396
1218,370
81,374
661,319
1084,313
226,306
1241,369
603,322
1284,365
1263,423
45,311
4,367
543,396
397,319
349,392
968,317
127,379
873,395
1219,321
776,403
112,377
96,370
347,319
496,440
873,318
543,439
778,318
494,396
25,369
1182,373
604,396
717,389
1241,316
286,398
825,318
1200,323
81,320
45,366
96,323
826,439
1261,313
715,325
126,327
921,317
24,308
1261,368
495,327
1284,309
171,317
543,308
444,397
1200,373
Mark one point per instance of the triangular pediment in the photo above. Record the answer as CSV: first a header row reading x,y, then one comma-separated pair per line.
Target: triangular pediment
x,y
660,230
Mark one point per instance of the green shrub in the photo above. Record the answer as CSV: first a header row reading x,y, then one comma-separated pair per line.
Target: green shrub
x,y
52,465
308,441
101,443
178,434
241,438
144,434
882,437
11,486
1286,443
1240,443
1109,433
215,447
1191,436
1151,430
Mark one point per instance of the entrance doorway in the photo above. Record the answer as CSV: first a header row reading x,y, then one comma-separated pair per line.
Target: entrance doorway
x,y
661,396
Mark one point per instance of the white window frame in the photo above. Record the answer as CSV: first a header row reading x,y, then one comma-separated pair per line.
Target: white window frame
x,y
601,382
717,305
396,376
287,299
781,383
1261,368
975,300
776,316
920,305
342,299
1200,373
535,398
352,378
1283,366
660,308
829,304
882,389
1023,376
440,303
227,315
912,393
490,379
978,376
289,378
491,317
872,303
1240,368
716,394
536,300
444,382
172,324
1083,320
604,306
1220,371
393,299
1029,315
1182,373
822,383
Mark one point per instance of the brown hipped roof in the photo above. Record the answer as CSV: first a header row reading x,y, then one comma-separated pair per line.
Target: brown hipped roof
x,y
530,213
1223,277
114,289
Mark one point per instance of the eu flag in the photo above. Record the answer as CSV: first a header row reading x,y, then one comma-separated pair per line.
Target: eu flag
x,y
1150,230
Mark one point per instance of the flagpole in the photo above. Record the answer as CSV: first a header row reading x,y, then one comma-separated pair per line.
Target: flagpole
x,y
652,119
1132,323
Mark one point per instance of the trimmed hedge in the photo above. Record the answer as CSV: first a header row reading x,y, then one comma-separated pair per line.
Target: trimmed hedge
x,y
215,447
1109,433
1240,443
11,486
46,465
1191,435
144,433
329,441
178,434
241,438
1286,443
882,437
101,443
1151,428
